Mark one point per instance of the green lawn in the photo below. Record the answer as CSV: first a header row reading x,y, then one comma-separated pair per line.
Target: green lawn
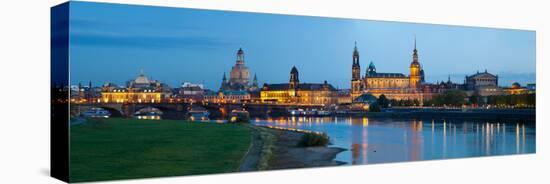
x,y
130,148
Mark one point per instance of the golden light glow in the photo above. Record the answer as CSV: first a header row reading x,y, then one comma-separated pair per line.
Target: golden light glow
x,y
365,121
122,96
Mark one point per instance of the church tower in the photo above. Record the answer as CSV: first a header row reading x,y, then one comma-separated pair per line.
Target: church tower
x,y
224,83
415,70
355,74
293,83
254,86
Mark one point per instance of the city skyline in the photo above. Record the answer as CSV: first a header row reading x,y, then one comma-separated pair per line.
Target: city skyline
x,y
175,46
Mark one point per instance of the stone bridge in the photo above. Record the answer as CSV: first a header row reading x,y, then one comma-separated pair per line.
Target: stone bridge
x,y
179,110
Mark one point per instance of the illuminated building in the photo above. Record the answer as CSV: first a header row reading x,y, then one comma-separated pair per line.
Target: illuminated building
x,y
343,96
440,87
191,92
239,77
140,90
482,83
227,96
396,86
84,93
295,92
516,89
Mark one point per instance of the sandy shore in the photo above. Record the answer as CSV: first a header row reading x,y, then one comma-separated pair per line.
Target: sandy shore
x,y
278,149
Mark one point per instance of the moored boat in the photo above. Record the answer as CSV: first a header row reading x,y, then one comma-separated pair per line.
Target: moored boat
x,y
198,115
239,116
323,113
148,113
96,112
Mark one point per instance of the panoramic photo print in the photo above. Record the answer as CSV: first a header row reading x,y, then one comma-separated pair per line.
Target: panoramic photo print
x,y
160,91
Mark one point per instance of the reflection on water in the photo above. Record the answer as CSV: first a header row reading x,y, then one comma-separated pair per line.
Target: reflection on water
x,y
152,117
371,140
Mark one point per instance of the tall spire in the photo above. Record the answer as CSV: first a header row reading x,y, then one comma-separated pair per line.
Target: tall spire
x,y
224,82
355,52
415,42
255,81
355,55
355,67
415,51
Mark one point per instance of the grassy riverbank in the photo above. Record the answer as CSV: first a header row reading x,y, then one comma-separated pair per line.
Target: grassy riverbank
x,y
282,149
128,148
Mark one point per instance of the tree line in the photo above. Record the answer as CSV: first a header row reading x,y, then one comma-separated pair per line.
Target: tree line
x,y
458,98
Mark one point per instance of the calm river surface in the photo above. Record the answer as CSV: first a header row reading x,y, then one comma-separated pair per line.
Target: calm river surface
x,y
371,140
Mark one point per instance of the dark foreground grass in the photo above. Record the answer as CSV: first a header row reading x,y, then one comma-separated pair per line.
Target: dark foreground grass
x,y
128,148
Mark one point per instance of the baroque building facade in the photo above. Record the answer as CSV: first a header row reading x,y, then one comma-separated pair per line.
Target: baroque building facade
x,y
295,92
139,90
396,86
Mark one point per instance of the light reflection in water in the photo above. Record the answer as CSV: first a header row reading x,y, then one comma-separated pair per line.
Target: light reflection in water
x,y
372,140
149,117
444,139
523,138
517,137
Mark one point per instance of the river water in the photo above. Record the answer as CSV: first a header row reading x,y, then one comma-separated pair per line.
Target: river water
x,y
371,140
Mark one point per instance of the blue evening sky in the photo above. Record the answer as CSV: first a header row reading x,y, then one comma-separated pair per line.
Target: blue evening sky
x,y
112,43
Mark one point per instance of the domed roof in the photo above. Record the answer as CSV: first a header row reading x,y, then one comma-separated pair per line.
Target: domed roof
x,y
371,65
516,85
365,98
240,51
142,79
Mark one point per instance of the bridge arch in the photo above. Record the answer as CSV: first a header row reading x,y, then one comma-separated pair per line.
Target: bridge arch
x,y
114,112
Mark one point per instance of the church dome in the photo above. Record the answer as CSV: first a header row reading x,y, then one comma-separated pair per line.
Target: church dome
x,y
516,85
371,65
142,79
